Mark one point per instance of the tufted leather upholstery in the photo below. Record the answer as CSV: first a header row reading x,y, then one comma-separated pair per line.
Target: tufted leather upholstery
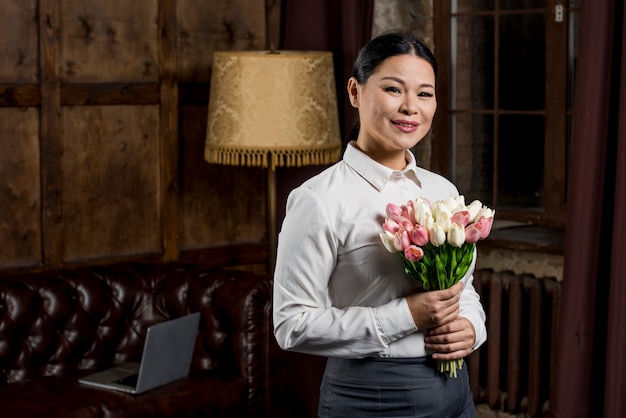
x,y
58,325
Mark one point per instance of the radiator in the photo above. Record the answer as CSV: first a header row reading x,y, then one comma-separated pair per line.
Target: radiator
x,y
513,370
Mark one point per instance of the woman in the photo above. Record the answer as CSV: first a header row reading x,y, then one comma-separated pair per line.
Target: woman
x,y
339,293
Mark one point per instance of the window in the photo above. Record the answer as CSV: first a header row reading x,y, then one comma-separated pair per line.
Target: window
x,y
503,125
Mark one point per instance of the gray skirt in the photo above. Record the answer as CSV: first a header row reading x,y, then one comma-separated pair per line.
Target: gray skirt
x,y
393,387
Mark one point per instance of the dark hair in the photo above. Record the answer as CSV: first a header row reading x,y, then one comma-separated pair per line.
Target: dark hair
x,y
380,48
387,45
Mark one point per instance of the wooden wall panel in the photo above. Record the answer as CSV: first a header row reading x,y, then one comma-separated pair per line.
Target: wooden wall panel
x,y
219,204
50,134
110,170
20,204
18,41
102,126
215,25
104,41
168,130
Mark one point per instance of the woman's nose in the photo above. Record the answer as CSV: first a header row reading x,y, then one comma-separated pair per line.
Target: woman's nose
x,y
409,105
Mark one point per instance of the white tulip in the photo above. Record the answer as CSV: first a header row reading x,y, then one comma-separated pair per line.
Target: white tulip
x,y
422,211
439,207
454,202
444,220
474,208
456,235
436,235
486,212
387,238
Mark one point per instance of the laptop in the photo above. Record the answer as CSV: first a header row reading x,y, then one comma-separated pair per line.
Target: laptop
x,y
166,357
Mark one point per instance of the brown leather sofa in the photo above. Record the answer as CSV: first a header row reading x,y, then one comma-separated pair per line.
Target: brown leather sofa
x,y
58,325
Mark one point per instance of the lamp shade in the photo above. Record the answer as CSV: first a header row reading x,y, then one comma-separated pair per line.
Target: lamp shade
x,y
272,109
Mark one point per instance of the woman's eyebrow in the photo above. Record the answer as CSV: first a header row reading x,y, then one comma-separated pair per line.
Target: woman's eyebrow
x,y
399,80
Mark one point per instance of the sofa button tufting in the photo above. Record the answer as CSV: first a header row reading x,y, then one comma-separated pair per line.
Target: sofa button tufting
x,y
104,328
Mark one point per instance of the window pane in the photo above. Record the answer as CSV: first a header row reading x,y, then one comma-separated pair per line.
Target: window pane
x,y
572,59
473,155
522,62
465,6
472,53
520,161
522,4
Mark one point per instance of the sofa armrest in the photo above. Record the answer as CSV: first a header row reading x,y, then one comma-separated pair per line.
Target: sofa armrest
x,y
235,332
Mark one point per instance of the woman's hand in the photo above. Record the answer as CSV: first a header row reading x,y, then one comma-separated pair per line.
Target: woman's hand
x,y
451,341
449,336
436,307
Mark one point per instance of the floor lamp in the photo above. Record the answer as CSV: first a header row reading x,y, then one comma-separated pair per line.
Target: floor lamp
x,y
272,109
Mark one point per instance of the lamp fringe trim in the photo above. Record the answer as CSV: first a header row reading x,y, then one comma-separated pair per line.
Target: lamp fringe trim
x,y
272,158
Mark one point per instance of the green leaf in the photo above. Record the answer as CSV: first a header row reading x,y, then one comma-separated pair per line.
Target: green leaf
x,y
441,272
441,267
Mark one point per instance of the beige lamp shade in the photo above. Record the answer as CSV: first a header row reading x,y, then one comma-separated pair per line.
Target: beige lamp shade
x,y
272,109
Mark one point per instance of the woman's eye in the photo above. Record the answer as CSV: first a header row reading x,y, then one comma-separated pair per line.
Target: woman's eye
x,y
425,94
392,89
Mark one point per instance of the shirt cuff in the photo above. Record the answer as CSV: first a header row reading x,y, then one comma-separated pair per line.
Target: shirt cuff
x,y
394,320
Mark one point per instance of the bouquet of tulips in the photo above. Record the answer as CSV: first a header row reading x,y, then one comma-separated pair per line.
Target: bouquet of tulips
x,y
437,242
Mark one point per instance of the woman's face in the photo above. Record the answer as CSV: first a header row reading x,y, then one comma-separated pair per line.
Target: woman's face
x,y
396,108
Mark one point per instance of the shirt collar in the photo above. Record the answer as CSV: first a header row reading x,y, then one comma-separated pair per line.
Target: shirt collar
x,y
375,173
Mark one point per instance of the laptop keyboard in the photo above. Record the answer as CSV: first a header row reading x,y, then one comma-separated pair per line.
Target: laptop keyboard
x,y
130,380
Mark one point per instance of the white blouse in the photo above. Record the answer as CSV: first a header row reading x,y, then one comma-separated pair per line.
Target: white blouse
x,y
337,291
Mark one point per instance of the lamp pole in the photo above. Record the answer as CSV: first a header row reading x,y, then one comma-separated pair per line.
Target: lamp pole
x,y
271,219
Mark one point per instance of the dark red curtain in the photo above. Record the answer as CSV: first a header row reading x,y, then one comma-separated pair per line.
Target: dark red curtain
x,y
341,27
590,375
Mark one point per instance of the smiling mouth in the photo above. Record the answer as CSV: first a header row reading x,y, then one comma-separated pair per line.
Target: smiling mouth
x,y
406,124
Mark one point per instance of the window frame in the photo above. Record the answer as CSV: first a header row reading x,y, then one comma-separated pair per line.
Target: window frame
x,y
556,112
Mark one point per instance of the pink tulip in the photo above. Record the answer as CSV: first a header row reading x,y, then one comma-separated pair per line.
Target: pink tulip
x,y
404,222
401,240
486,223
473,232
413,253
461,217
393,211
419,235
409,212
391,225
